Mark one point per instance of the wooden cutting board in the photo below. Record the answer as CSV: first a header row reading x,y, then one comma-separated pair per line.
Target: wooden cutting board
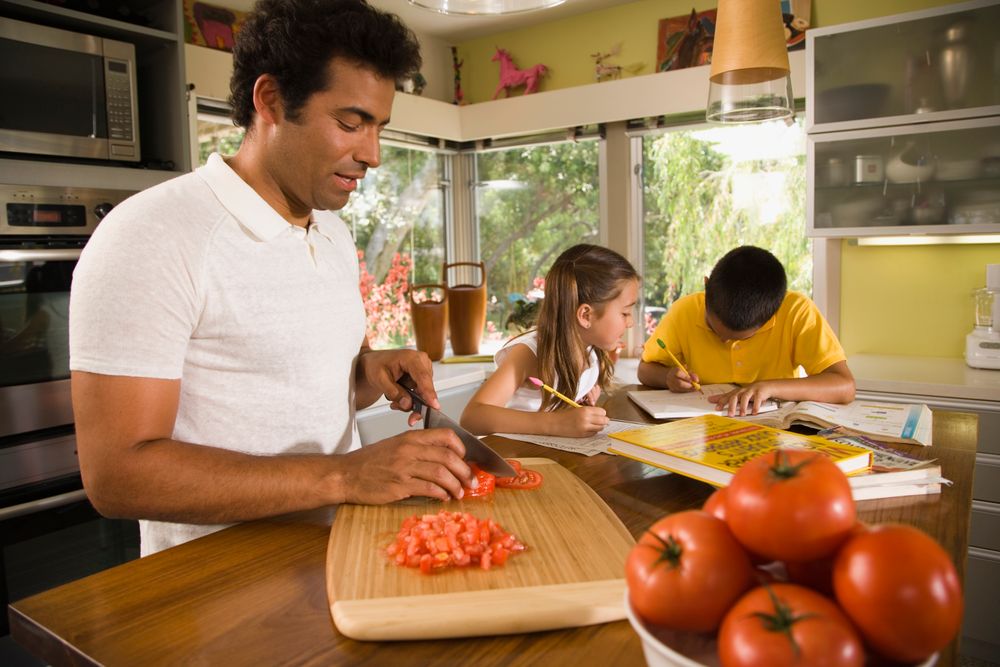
x,y
571,574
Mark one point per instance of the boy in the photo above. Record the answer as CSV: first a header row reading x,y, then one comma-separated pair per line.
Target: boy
x,y
747,329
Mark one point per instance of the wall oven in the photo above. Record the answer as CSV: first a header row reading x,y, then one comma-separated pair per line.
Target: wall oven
x,y
67,94
49,533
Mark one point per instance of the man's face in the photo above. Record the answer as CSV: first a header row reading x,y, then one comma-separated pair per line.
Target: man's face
x,y
318,159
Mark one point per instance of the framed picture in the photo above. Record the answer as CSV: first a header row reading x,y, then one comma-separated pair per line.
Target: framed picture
x,y
796,15
685,41
211,25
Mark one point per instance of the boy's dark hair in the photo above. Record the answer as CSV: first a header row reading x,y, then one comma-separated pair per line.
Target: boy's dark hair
x,y
746,288
294,40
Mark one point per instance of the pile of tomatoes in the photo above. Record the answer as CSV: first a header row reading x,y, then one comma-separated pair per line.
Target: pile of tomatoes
x,y
778,564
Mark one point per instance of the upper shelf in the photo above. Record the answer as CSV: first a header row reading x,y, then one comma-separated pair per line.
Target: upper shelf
x,y
668,93
157,20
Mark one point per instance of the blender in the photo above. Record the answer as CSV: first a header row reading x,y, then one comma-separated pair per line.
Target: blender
x,y
982,344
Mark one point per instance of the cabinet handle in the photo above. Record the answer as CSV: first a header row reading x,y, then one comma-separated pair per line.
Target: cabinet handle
x,y
42,504
40,254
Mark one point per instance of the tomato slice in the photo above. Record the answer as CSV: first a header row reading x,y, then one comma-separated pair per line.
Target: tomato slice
x,y
526,479
487,482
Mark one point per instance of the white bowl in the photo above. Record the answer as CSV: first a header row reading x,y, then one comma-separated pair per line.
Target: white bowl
x,y
667,648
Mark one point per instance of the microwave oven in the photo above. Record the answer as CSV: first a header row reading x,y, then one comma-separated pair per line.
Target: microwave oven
x,y
67,94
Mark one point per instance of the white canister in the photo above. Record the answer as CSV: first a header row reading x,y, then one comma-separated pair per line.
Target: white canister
x,y
868,169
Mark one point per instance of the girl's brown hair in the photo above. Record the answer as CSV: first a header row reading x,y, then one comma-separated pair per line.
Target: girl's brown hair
x,y
582,274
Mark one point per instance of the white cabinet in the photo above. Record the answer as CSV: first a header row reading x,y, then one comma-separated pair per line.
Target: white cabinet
x,y
155,28
903,122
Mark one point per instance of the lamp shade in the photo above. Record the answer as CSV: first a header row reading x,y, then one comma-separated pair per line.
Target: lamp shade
x,y
750,79
484,7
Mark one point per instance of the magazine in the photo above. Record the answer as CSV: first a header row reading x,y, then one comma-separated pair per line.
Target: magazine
x,y
908,423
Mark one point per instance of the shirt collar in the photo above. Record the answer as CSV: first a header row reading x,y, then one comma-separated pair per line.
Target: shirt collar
x,y
242,201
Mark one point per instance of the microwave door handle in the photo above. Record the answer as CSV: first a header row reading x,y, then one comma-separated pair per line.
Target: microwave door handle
x,y
40,254
42,504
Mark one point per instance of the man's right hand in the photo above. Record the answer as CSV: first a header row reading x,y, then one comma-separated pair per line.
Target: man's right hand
x,y
426,462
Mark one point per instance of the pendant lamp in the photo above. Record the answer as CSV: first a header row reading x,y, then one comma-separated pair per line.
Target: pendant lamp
x,y
750,79
484,7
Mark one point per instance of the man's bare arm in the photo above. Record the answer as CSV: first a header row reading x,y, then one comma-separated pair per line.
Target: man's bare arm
x,y
131,467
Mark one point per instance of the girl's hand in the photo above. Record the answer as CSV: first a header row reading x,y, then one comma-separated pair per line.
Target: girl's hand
x,y
578,422
592,396
745,400
680,382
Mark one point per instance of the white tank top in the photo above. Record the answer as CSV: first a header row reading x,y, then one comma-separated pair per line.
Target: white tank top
x,y
528,397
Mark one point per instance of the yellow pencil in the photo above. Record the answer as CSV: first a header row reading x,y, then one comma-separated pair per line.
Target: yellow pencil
x,y
678,363
539,383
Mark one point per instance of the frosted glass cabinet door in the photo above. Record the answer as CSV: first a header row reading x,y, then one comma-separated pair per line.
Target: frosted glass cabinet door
x,y
934,178
931,65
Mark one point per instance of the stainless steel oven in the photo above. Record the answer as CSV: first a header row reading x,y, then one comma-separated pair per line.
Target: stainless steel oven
x,y
49,533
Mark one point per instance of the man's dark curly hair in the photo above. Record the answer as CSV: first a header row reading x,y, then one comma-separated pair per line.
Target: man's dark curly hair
x,y
294,40
746,288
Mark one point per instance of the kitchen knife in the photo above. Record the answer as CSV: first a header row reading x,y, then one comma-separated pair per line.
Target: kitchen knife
x,y
476,451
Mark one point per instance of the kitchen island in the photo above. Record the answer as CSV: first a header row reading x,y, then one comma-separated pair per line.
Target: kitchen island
x,y
255,593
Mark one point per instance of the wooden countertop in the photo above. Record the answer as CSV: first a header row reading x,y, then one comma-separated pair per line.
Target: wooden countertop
x,y
255,593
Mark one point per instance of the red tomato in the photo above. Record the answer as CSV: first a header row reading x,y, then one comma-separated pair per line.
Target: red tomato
x,y
686,571
818,574
785,624
901,590
526,479
716,504
486,484
435,542
790,505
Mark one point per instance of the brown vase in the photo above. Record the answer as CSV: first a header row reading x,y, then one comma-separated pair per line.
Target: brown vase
x,y
430,321
466,311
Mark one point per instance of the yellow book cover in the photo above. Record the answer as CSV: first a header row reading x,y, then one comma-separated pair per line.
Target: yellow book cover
x,y
711,448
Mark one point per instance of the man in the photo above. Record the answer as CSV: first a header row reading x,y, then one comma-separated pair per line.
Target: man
x,y
217,331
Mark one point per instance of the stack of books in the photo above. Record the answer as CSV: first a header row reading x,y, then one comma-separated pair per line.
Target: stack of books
x,y
711,448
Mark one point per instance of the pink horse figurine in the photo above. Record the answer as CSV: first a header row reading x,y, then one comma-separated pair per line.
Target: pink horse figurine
x,y
512,77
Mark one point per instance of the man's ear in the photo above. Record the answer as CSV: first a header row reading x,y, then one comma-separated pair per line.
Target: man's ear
x,y
584,315
267,99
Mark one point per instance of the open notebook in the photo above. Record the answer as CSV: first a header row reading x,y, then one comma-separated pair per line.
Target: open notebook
x,y
665,404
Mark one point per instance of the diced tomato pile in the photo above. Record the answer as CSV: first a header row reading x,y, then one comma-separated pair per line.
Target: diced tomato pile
x,y
434,542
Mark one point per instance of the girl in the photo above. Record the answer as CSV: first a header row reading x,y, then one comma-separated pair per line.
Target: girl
x,y
590,293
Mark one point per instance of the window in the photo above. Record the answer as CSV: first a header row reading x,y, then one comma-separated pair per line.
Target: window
x,y
706,191
214,130
531,202
397,218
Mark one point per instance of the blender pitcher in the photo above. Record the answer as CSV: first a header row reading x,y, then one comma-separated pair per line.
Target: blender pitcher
x,y
982,345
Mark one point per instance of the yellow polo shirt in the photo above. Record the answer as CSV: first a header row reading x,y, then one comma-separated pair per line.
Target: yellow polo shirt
x,y
797,335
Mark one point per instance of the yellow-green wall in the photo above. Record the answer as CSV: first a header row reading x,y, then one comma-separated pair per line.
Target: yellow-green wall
x,y
910,300
564,46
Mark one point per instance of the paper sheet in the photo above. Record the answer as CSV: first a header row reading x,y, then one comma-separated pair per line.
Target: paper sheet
x,y
588,446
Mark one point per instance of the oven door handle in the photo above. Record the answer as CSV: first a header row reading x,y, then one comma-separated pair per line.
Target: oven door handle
x,y
40,254
42,504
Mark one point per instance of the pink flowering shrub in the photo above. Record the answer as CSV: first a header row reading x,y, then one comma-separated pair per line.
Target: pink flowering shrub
x,y
387,305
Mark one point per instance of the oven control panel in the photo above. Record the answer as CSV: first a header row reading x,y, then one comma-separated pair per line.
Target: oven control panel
x,y
40,210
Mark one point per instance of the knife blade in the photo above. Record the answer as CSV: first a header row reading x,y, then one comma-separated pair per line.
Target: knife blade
x,y
476,451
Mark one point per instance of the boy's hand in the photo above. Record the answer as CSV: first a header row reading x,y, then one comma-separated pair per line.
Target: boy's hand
x,y
680,382
745,400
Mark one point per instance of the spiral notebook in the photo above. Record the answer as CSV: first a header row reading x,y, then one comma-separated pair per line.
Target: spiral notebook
x,y
665,404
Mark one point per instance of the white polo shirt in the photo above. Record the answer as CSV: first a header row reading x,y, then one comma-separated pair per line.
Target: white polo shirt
x,y
200,279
